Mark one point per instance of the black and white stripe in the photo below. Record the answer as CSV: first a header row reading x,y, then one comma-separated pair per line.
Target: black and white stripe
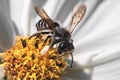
x,y
41,25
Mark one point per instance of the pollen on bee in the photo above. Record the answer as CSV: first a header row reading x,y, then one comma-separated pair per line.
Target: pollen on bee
x,y
24,61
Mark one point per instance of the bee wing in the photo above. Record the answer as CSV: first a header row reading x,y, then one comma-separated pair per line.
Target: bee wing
x,y
45,17
78,14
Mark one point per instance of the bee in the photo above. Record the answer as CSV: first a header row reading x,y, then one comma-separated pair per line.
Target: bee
x,y
60,37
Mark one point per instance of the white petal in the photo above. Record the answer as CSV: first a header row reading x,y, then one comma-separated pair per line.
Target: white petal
x,y
100,35
107,71
1,73
7,31
20,14
100,32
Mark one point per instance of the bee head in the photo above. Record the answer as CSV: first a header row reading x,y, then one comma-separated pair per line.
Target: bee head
x,y
65,47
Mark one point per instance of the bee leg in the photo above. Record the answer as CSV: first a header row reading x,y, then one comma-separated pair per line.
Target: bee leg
x,y
46,48
23,43
48,33
36,34
43,32
48,37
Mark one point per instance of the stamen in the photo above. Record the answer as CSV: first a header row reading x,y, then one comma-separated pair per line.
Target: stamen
x,y
26,62
36,44
23,43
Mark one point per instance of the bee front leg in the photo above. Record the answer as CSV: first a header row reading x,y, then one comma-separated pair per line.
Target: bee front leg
x,y
42,32
46,48
49,34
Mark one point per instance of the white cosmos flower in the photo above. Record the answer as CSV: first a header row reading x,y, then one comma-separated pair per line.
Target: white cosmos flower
x,y
96,38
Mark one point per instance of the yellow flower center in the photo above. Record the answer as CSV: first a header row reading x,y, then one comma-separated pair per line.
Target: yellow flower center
x,y
24,61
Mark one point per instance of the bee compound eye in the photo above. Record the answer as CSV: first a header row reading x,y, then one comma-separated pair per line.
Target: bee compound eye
x,y
60,48
65,47
56,24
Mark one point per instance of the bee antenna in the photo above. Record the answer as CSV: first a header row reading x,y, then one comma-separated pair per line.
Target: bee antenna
x,y
71,60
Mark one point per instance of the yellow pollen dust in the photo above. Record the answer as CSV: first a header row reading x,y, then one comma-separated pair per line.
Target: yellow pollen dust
x,y
24,61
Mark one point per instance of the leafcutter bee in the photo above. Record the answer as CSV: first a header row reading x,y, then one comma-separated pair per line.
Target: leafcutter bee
x,y
60,37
